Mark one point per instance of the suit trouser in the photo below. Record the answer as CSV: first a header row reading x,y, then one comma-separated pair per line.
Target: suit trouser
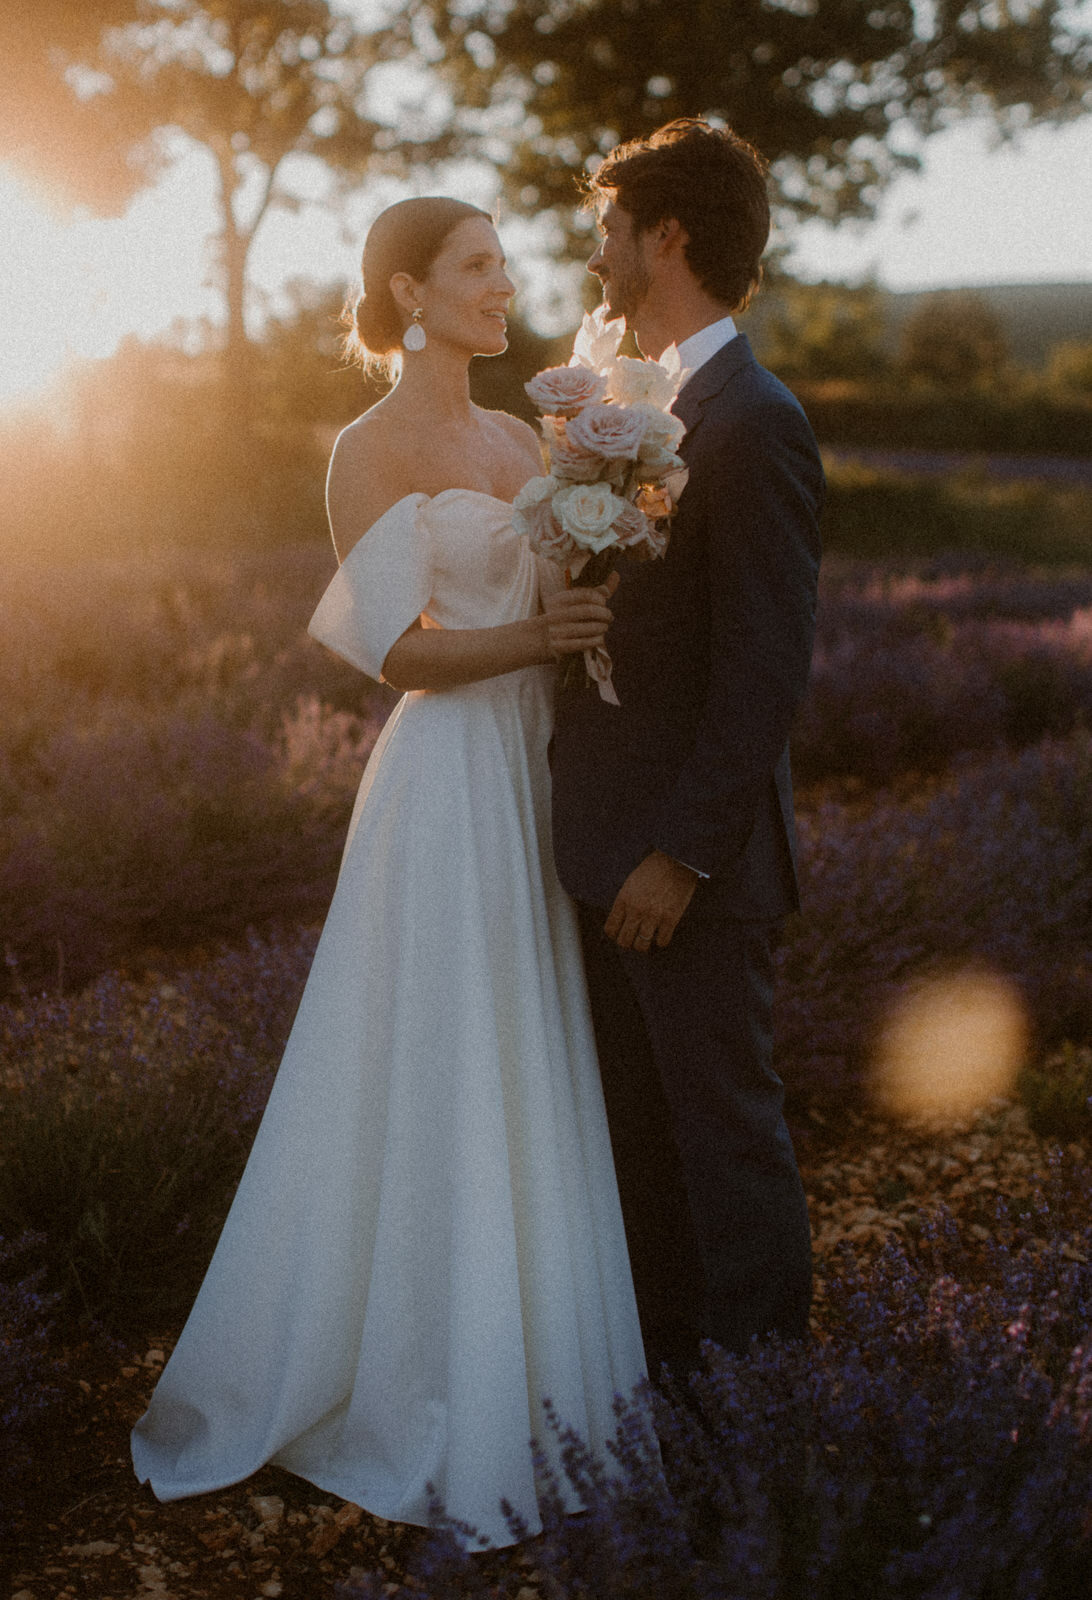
x,y
715,1214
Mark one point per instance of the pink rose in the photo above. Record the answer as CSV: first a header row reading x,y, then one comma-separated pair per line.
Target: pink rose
x,y
631,526
563,391
569,460
612,431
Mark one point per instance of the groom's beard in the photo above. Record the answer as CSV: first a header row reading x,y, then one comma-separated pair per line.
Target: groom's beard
x,y
625,290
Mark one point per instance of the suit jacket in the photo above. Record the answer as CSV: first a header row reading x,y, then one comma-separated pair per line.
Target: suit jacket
x,y
711,649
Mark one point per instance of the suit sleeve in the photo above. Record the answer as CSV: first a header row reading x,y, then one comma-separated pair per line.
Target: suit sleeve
x,y
760,487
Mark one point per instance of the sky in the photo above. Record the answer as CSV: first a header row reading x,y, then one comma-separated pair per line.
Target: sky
x,y
976,214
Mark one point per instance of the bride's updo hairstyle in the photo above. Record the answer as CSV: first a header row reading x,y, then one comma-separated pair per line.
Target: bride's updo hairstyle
x,y
406,237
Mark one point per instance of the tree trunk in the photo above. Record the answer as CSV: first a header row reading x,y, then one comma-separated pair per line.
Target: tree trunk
x,y
238,356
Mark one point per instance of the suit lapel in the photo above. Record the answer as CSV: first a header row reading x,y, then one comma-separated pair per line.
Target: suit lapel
x,y
710,379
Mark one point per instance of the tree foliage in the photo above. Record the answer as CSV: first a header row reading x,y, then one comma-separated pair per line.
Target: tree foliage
x,y
823,330
821,89
257,82
955,340
63,121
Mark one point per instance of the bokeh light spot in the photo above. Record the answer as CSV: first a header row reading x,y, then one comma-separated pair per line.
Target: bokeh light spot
x,y
950,1045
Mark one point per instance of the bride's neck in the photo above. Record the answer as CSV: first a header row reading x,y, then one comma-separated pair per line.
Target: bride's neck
x,y
436,382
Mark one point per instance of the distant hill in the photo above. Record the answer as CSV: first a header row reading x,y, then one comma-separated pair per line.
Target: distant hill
x,y
1035,316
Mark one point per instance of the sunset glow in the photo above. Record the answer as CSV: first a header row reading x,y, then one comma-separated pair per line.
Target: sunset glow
x,y
74,287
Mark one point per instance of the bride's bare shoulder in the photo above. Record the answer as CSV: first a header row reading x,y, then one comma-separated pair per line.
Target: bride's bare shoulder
x,y
519,432
368,474
518,446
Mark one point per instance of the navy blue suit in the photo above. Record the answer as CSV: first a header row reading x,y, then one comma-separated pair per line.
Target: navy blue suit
x,y
711,649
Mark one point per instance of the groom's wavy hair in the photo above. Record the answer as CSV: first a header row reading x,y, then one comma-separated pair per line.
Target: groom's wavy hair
x,y
712,182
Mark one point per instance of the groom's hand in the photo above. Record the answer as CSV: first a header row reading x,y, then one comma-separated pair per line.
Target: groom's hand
x,y
650,903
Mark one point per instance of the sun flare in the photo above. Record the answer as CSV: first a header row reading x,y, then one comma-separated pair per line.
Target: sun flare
x,y
73,287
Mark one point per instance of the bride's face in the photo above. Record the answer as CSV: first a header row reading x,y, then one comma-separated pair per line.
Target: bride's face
x,y
464,299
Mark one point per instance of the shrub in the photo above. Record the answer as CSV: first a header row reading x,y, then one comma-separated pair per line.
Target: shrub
x,y
935,1442
991,870
126,1116
177,759
26,1365
907,677
886,515
1058,1093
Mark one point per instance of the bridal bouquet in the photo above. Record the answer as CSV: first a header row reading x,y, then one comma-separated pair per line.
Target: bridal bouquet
x,y
614,475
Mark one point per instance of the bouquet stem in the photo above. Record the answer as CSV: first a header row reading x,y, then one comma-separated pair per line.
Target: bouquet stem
x,y
596,570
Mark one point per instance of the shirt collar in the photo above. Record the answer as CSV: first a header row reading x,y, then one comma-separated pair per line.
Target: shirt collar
x,y
703,345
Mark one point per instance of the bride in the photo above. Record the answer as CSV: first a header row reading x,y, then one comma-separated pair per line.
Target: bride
x,y
426,1243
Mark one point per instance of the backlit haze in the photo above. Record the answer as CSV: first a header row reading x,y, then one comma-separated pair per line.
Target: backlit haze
x,y
76,286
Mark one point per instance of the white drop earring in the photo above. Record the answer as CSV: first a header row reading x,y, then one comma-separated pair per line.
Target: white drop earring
x,y
414,336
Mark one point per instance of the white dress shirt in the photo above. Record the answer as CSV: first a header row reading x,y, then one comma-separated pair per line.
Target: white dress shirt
x,y
703,345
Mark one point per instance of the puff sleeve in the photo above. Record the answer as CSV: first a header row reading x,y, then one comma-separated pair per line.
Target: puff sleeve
x,y
379,590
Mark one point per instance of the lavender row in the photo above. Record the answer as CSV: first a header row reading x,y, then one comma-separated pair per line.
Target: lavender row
x,y
137,1090
935,1445
908,675
992,870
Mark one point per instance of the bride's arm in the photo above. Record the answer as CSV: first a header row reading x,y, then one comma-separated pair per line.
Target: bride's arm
x,y
444,658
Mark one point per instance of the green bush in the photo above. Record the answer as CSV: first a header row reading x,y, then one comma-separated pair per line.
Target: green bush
x,y
1058,1093
1025,419
875,515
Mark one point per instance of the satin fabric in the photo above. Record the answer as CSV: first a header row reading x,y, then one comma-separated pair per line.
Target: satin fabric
x,y
427,1240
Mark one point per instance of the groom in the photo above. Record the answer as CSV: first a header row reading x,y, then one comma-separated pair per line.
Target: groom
x,y
673,813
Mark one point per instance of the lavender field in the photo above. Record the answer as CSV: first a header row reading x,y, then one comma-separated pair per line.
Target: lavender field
x,y
177,765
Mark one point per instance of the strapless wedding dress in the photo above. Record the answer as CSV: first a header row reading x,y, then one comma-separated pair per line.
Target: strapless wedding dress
x,y
427,1240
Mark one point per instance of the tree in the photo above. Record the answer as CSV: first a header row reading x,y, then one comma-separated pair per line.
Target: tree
x,y
62,121
954,340
821,89
1070,367
257,82
823,330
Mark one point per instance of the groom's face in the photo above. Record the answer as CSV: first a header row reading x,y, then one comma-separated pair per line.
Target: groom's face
x,y
620,263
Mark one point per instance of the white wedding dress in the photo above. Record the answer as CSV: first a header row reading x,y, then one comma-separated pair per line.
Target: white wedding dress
x,y
427,1240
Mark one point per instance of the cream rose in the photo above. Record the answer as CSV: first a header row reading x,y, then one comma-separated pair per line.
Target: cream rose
x,y
635,383
612,431
533,515
563,391
587,511
662,428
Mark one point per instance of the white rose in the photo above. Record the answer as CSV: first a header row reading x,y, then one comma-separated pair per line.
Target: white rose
x,y
662,428
587,512
658,461
533,515
634,383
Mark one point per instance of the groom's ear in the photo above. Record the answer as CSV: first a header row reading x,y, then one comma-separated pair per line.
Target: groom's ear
x,y
670,234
